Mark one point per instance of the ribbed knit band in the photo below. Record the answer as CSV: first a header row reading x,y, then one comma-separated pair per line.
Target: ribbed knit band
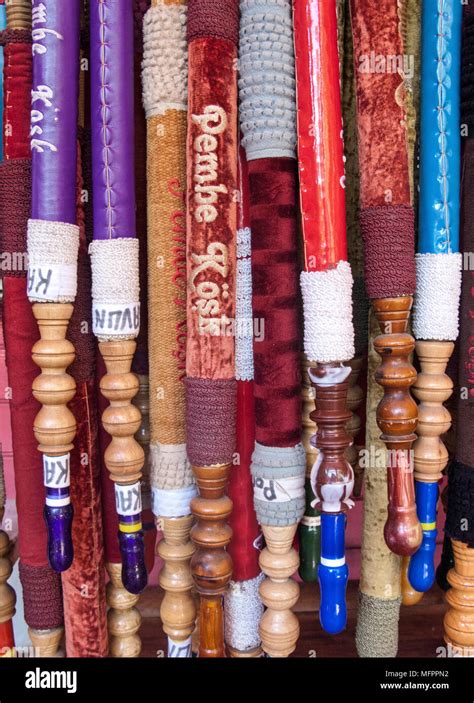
x,y
210,420
267,79
208,18
377,627
42,599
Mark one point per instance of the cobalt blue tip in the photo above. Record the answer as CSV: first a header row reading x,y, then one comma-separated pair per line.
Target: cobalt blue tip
x,y
59,526
132,549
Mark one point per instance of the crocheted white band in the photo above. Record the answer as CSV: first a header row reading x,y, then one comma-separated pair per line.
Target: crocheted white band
x,y
115,288
438,289
327,305
243,609
52,261
172,503
243,308
165,59
267,79
169,466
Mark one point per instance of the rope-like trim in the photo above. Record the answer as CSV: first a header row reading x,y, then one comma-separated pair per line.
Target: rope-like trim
x,y
165,59
327,305
115,288
438,290
267,79
169,466
377,626
52,261
243,308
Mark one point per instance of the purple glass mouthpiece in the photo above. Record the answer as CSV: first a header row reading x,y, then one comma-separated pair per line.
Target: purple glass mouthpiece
x,y
59,526
132,549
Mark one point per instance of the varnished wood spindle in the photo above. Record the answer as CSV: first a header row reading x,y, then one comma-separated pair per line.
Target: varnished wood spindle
x,y
459,619
355,396
178,608
397,419
46,642
18,14
7,594
55,425
123,618
254,653
211,565
279,626
124,457
332,483
432,388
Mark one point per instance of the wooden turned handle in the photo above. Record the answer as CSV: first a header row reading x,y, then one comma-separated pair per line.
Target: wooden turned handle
x,y
459,619
397,418
332,483
211,565
55,425
178,608
124,457
123,618
279,626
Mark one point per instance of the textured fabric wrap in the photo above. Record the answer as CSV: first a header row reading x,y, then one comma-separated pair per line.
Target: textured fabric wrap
x,y
212,219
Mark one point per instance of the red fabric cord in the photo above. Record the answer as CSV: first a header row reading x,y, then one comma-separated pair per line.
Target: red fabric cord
x,y
15,188
42,599
84,583
276,302
388,232
17,76
243,520
206,18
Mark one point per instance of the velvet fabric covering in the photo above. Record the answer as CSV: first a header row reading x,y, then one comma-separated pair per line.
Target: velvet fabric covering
x,y
384,172
84,582
380,105
17,87
243,546
41,586
211,232
387,224
275,301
